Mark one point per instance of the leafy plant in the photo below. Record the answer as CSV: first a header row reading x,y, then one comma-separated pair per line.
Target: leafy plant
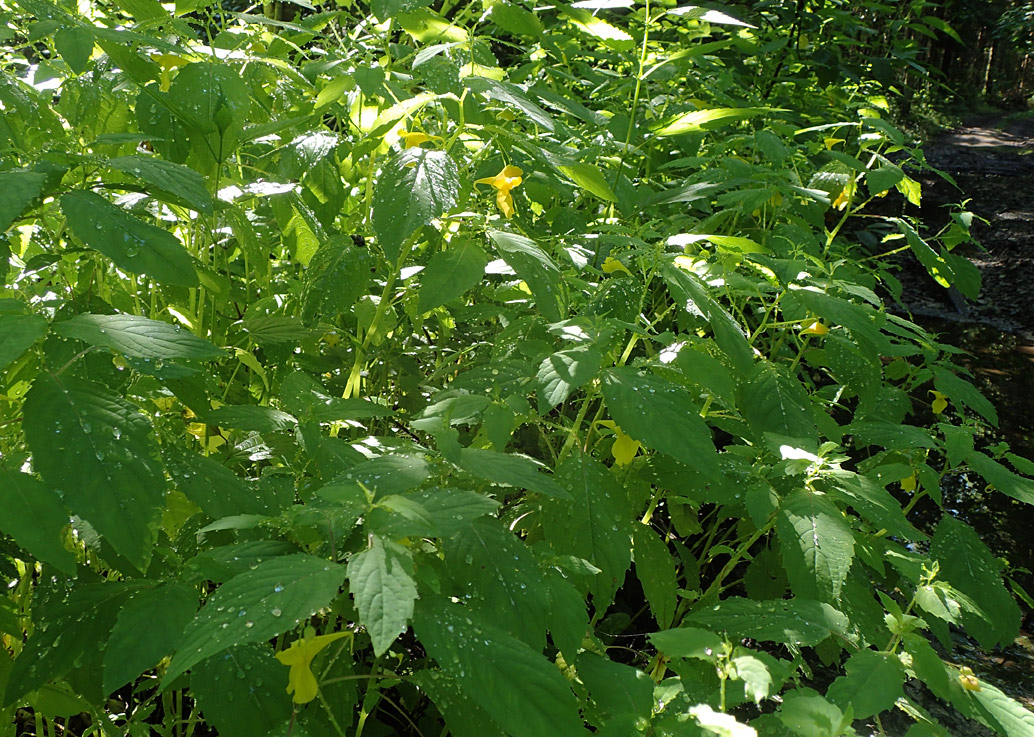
x,y
498,368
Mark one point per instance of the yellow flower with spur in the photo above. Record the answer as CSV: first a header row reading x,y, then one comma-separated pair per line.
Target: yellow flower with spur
x,y
300,680
504,181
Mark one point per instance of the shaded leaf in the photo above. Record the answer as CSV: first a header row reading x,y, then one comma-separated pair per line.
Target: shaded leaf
x,y
137,337
35,517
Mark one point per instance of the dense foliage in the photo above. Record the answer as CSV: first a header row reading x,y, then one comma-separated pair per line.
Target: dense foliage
x,y
491,368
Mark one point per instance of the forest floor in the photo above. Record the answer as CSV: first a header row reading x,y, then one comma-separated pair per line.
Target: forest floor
x,y
991,159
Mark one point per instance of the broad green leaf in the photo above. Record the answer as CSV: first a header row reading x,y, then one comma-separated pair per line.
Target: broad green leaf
x,y
516,20
661,415
242,692
697,119
724,242
535,267
275,330
807,714
757,680
174,183
381,580
509,469
709,374
960,391
73,628
655,569
426,513
270,598
148,627
416,186
931,260
817,545
967,564
451,273
35,517
881,179
873,683
501,580
1005,714
387,474
856,369
18,333
385,9
798,621
214,102
563,373
1002,478
773,401
691,295
75,44
619,691
305,397
463,715
211,485
719,723
132,244
872,502
518,687
594,526
513,95
18,190
96,448
590,178
137,337
251,417
596,27
688,642
336,277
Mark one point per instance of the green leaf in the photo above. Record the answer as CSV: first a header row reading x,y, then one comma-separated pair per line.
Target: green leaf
x,y
251,417
892,436
214,102
305,397
132,244
874,681
501,580
18,190
817,545
451,273
381,580
416,186
690,293
775,402
655,569
171,182
336,277
1002,478
619,691
75,44
427,513
464,717
594,526
242,692
688,642
270,598
564,372
960,391
535,267
385,9
513,95
212,486
931,260
517,686
967,564
590,178
18,333
798,621
873,502
1005,714
35,517
516,20
148,627
807,714
696,120
508,469
137,337
97,449
275,330
757,680
661,415
881,179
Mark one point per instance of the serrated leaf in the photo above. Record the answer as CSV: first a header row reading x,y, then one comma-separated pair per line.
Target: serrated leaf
x,y
17,335
18,190
962,392
212,486
817,545
214,102
688,642
874,681
510,469
268,599
874,503
594,526
564,372
380,578
757,680
535,267
516,20
429,512
807,714
242,692
336,277
881,179
517,686
251,417
695,120
137,337
75,44
1005,713
967,564
661,415
590,178
655,569
513,95
132,244
35,517
451,273
1007,482
171,182
97,449
416,186
799,621
148,627
619,691
775,402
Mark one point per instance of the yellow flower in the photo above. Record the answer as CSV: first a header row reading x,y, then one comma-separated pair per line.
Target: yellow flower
x,y
940,402
301,681
815,328
503,182
909,482
624,448
968,680
611,264
411,139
